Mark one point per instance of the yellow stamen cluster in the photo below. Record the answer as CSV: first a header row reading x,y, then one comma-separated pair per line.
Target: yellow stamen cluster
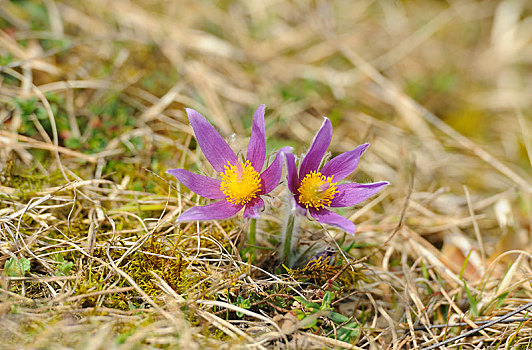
x,y
240,184
316,191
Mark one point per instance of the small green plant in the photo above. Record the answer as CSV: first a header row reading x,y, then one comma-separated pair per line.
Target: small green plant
x,y
17,267
312,308
472,299
243,303
64,267
346,330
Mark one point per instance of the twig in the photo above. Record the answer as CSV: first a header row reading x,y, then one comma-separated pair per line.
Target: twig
x,y
28,142
405,205
465,324
484,326
476,228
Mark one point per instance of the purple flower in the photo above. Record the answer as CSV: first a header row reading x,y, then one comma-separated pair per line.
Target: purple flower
x,y
314,189
241,183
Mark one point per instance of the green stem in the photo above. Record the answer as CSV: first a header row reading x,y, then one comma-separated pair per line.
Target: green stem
x,y
288,239
252,239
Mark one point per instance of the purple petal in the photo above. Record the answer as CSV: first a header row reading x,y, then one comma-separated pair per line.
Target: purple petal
x,y
293,180
344,164
204,186
214,147
215,211
328,217
257,142
352,193
252,209
314,155
272,175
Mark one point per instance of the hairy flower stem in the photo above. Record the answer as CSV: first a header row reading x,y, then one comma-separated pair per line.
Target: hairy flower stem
x,y
289,238
252,239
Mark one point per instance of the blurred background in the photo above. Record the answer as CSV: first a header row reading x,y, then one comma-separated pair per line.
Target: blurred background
x,y
444,85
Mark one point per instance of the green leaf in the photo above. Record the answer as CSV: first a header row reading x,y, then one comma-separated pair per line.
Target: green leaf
x,y
327,299
63,269
243,303
500,299
27,107
314,306
302,301
426,276
466,260
246,304
338,318
309,321
17,267
348,332
472,300
299,314
73,143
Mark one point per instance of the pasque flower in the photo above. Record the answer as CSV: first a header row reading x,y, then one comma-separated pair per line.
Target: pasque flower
x,y
241,183
315,189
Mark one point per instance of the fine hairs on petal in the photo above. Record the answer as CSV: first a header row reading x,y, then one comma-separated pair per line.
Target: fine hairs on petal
x,y
252,210
353,193
272,175
214,211
257,142
212,144
344,164
317,149
290,232
202,185
291,170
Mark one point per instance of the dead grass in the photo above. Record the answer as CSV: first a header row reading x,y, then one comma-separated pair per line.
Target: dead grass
x,y
92,97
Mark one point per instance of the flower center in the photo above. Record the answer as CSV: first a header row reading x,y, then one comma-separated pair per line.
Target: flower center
x,y
316,191
240,184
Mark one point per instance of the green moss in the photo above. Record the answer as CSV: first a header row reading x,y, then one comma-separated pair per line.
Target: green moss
x,y
321,271
168,259
27,181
